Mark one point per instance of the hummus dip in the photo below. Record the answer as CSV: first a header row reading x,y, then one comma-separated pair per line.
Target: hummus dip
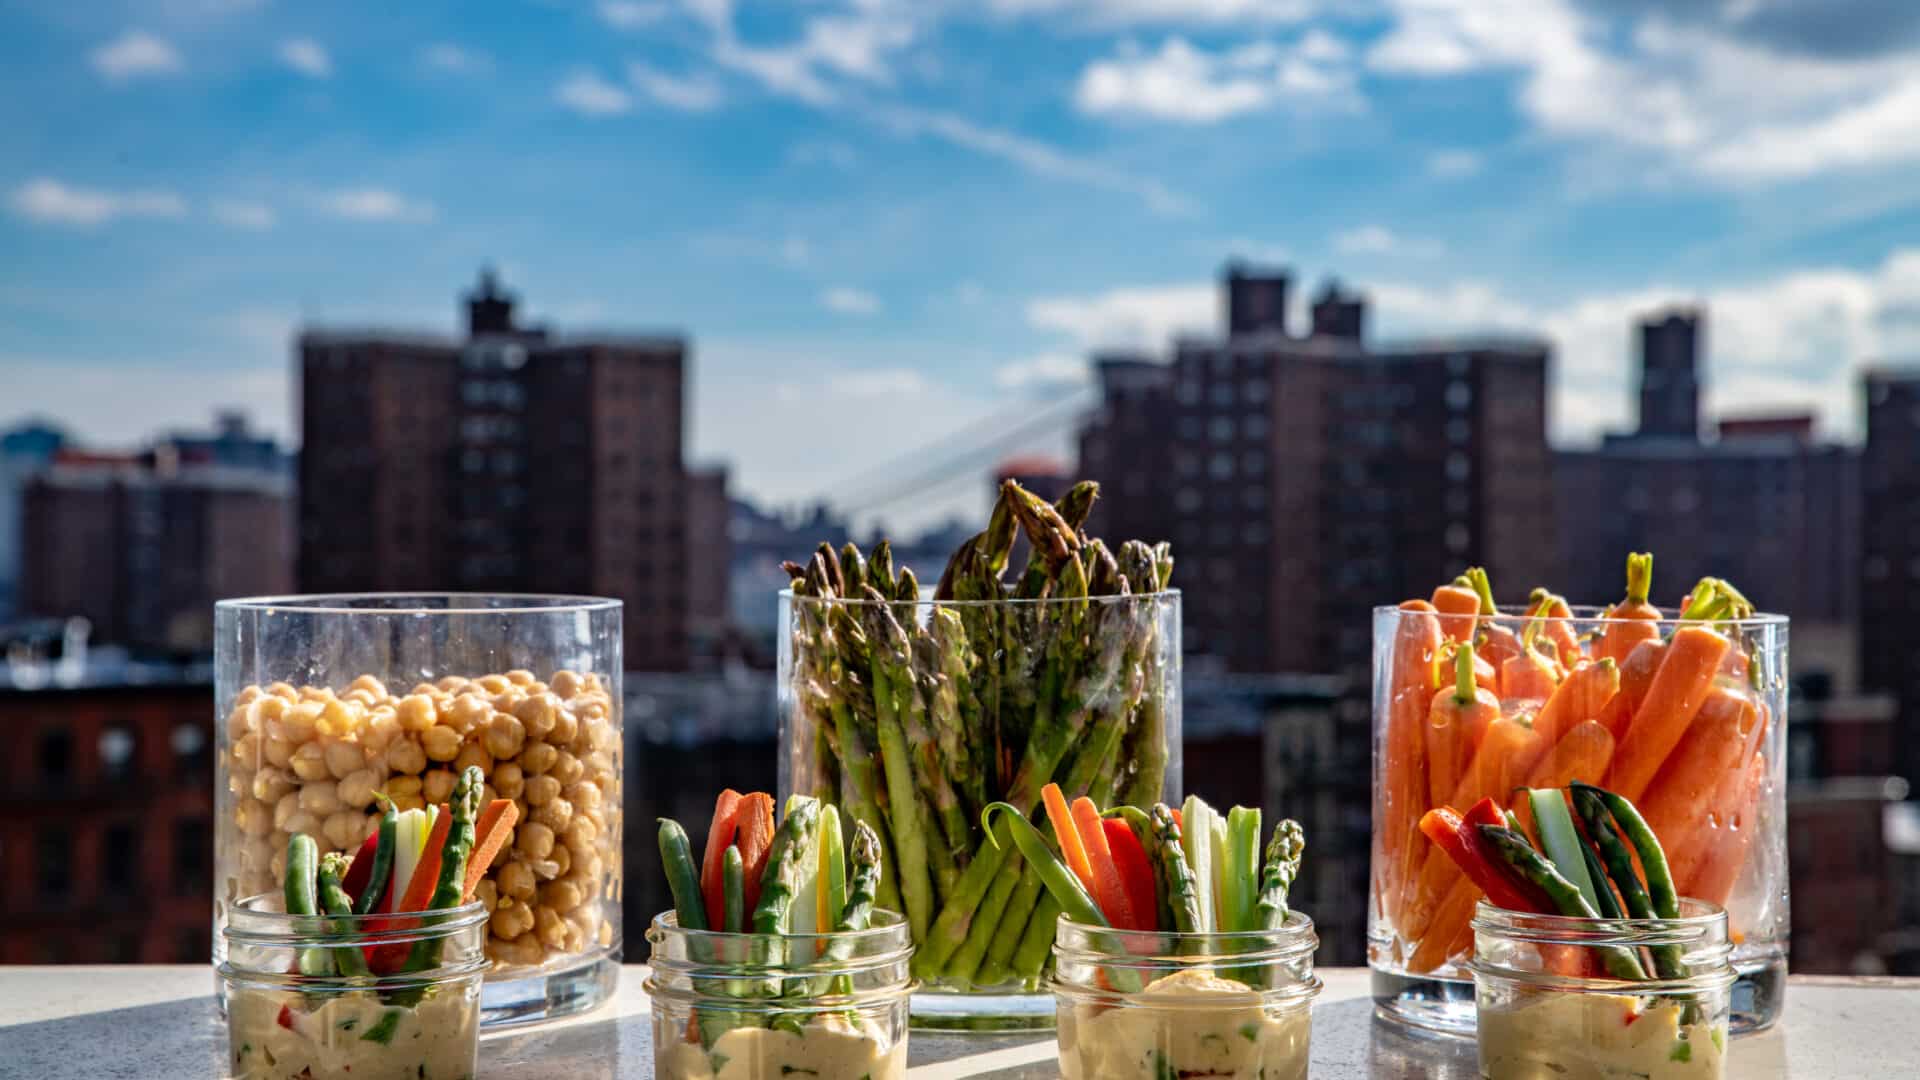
x,y
1193,1025
832,1048
278,1035
1598,1037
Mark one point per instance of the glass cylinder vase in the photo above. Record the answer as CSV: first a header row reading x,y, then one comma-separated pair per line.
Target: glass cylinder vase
x,y
1707,766
325,701
913,716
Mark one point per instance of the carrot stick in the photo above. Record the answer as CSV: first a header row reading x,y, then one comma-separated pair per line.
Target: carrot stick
x,y
1580,697
1403,794
1527,677
1071,846
1505,756
1581,754
719,836
491,833
753,835
1456,722
1559,625
1679,688
1498,643
1634,619
1455,910
1680,800
1109,891
1459,608
426,873
1636,677
1720,870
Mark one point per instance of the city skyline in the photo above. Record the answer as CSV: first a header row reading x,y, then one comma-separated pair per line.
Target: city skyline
x,y
801,191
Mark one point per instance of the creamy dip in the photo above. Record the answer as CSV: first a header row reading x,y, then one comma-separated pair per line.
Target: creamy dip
x,y
1598,1037
1194,1025
832,1048
353,1036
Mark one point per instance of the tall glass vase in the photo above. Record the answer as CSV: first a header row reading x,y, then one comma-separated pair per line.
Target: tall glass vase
x,y
913,716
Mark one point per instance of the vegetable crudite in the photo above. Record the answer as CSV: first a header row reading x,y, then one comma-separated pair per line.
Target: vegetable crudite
x,y
912,712
1671,711
368,965
776,959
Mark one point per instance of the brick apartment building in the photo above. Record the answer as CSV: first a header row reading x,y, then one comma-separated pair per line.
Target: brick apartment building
x,y
106,824
514,460
1889,565
1305,479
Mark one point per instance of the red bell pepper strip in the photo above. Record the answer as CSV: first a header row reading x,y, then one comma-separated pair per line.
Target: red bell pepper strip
x,y
1459,837
362,867
719,838
1136,873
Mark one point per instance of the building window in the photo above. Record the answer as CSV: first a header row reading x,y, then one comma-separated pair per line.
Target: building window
x,y
53,863
188,742
1459,467
118,748
1255,390
55,755
1459,396
1220,429
1220,466
1458,538
192,851
118,859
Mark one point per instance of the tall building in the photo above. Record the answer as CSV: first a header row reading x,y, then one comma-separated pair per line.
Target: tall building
x,y
24,450
709,527
515,459
142,547
1304,480
1889,565
1670,374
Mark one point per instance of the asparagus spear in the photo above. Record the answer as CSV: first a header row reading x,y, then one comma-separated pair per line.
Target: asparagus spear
x,y
909,842
450,889
1284,851
1175,875
335,901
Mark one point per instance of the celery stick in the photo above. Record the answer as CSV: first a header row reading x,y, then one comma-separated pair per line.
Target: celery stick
x,y
1243,865
1561,841
1196,839
833,870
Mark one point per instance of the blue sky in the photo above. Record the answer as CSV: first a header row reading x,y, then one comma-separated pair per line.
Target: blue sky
x,y
923,213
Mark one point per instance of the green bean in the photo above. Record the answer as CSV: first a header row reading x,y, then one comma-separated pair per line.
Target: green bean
x,y
1565,895
1653,859
1060,882
303,897
733,879
682,879
382,861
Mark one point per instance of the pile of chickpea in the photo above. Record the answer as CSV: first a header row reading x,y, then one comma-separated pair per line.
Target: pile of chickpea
x,y
309,760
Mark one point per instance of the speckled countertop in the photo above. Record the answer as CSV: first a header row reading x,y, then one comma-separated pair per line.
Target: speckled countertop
x,y
144,1022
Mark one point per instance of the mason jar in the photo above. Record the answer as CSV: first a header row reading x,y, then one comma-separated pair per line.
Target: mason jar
x,y
946,706
1153,1004
324,701
1550,1001
769,1006
1717,801
398,1026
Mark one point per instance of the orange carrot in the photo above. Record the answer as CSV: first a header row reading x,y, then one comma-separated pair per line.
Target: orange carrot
x,y
1634,619
1459,608
753,835
1581,754
1108,890
1455,910
1506,754
1558,626
1719,870
426,873
491,833
1580,697
1403,794
1679,801
1071,847
719,836
1456,722
1636,677
1498,643
1528,677
1679,688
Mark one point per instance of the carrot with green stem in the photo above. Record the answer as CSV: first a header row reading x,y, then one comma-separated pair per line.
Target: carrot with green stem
x,y
1558,628
1457,720
1498,643
1679,688
1459,608
1634,619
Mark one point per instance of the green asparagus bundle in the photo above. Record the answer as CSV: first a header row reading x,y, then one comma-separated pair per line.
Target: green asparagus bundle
x,y
920,714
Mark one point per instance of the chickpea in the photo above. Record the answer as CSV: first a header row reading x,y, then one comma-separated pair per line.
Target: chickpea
x,y
583,796
548,927
537,757
582,834
315,693
467,712
339,717
309,762
271,783
256,854
545,869
576,940
239,781
556,814
587,866
344,759
451,683
440,743
403,785
406,756
606,934
565,683
283,691
487,893
542,790
520,677
437,785
523,951
277,751
588,884
516,880
247,696
383,725
319,799
267,710
278,866
536,713
600,734
493,684
254,817
356,788
474,755
416,712
533,839
239,721
566,768
342,829
504,735
302,721
370,685
566,727
562,860
609,785
511,919
409,802
285,807
508,780
303,822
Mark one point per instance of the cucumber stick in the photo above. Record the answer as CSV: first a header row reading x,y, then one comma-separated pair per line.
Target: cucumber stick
x,y
833,871
1196,840
1243,867
1562,841
1222,887
805,909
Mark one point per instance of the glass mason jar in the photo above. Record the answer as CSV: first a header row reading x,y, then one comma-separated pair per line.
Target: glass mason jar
x,y
944,707
325,700
283,1023
1716,798
1157,1004
769,1006
1548,1006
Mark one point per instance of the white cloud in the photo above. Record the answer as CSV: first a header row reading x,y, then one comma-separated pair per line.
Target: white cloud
x,y
449,57
51,202
689,93
1380,240
630,14
1120,12
1192,85
306,56
586,93
1044,372
136,54
1452,164
240,214
847,300
1140,316
373,204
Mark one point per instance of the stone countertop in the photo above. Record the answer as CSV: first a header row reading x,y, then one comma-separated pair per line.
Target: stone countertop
x,y
58,1022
